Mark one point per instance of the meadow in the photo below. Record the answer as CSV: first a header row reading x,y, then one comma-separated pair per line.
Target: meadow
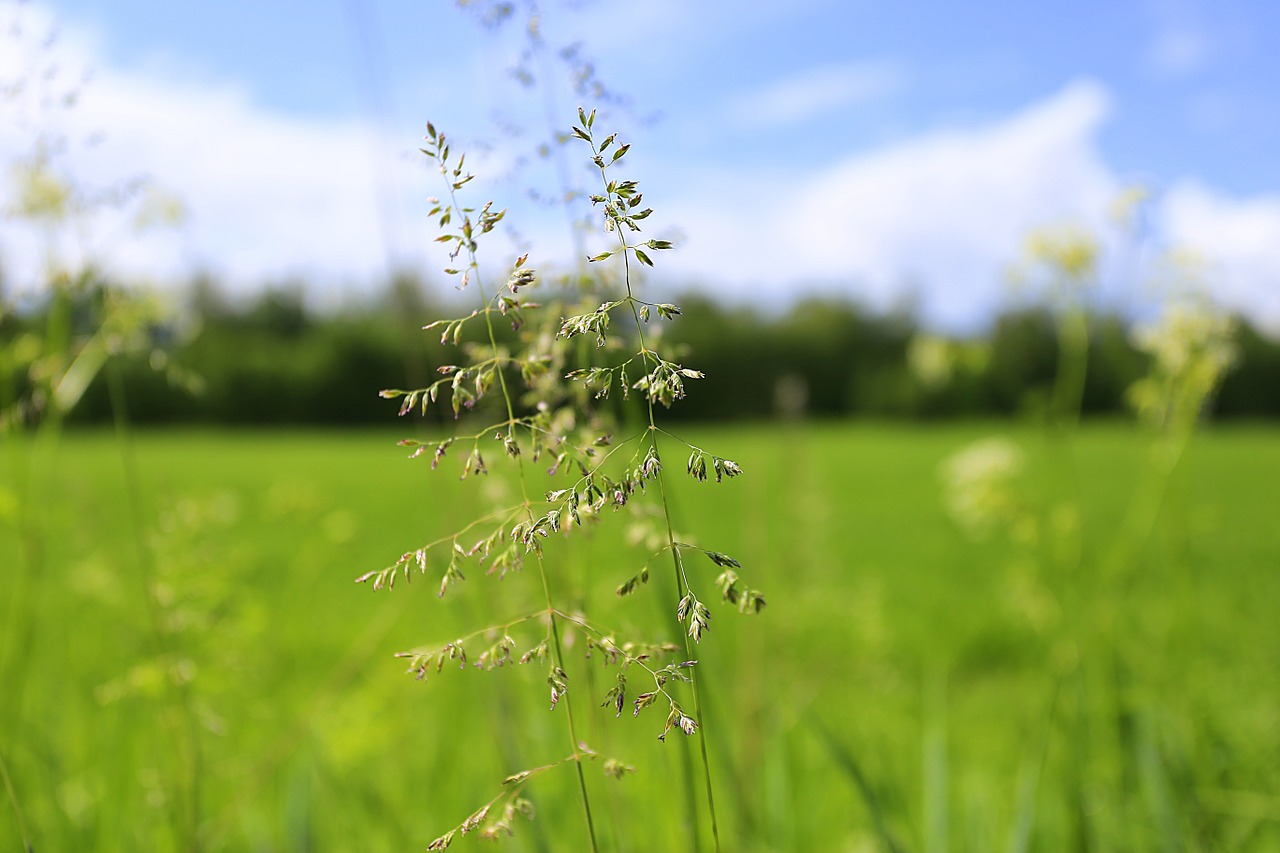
x,y
909,687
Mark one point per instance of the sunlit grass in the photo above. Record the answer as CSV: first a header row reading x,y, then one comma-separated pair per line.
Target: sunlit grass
x,y
893,625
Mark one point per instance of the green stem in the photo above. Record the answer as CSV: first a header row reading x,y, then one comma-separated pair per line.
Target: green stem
x,y
187,823
1063,422
681,583
17,809
688,647
542,570
34,472
1073,365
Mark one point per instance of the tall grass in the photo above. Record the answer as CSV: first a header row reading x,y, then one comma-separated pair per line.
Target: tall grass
x,y
1104,727
546,408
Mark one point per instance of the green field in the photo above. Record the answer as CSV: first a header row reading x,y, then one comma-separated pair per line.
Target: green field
x,y
205,670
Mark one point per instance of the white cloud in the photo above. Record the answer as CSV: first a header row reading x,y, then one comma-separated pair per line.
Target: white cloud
x,y
270,196
815,91
943,214
942,218
1240,242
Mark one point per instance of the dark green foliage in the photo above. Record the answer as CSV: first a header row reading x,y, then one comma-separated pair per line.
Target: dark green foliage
x,y
1253,388
1023,359
274,360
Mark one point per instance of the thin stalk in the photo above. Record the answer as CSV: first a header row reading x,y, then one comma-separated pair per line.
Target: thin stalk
x,y
677,564
19,624
542,570
33,465
551,113
17,809
188,824
688,648
934,763
1066,406
1148,502
1030,776
546,593
582,564
1073,365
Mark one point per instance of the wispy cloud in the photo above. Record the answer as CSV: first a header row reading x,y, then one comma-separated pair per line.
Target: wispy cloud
x,y
1177,51
815,91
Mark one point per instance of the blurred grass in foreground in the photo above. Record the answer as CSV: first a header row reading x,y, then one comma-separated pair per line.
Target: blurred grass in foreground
x,y
901,691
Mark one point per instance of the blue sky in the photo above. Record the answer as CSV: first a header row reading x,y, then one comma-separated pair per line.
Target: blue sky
x,y
889,151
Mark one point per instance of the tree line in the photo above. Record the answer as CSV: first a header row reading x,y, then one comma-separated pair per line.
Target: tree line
x,y
275,360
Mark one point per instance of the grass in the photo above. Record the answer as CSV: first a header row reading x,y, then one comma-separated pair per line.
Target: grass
x,y
894,695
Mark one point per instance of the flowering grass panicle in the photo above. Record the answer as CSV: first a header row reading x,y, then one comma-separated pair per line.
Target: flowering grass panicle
x,y
535,398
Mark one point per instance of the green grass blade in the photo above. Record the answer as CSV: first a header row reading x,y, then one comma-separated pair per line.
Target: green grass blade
x,y
846,761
